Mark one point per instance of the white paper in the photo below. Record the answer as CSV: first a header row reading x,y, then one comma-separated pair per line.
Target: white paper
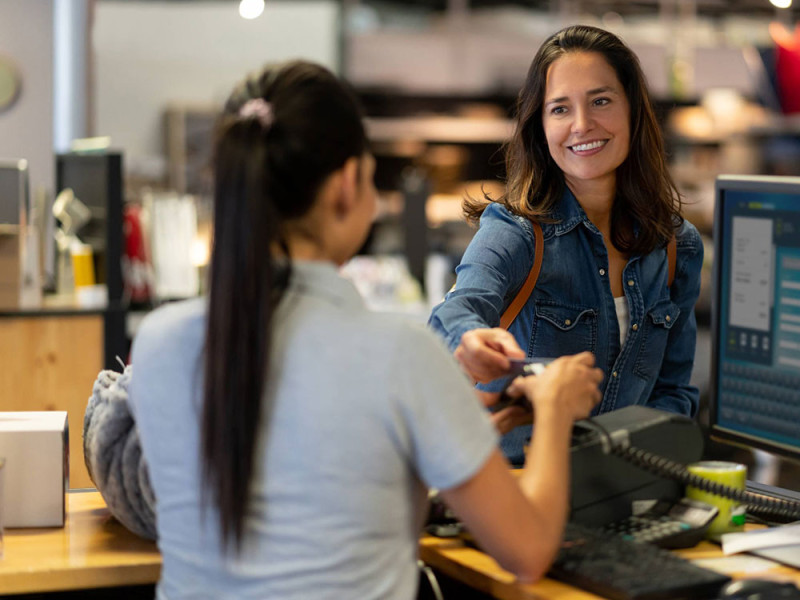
x,y
786,535
736,564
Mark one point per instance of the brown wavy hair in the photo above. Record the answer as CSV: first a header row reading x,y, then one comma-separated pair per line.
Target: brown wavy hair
x,y
647,198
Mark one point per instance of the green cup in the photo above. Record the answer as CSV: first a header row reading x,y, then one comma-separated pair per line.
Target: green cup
x,y
731,515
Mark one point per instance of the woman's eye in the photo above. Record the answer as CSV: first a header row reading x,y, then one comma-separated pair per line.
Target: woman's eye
x,y
601,101
557,110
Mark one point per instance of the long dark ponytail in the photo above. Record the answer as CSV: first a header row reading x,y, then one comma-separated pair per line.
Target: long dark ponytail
x,y
282,132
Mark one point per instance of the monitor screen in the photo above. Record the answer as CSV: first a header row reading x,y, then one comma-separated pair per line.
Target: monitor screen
x,y
755,391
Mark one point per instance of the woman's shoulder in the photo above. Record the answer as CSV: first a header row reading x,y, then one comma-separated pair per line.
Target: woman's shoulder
x,y
498,213
688,239
173,322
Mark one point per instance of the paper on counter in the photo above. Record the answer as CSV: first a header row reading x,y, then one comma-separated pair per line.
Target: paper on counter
x,y
785,535
730,565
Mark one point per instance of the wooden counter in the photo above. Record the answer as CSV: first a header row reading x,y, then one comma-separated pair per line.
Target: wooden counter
x,y
49,361
91,551
481,572
95,551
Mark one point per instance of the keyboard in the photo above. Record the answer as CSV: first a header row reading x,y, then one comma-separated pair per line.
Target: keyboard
x,y
759,398
621,569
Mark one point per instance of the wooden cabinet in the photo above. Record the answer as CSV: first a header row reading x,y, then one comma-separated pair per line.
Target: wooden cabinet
x,y
50,362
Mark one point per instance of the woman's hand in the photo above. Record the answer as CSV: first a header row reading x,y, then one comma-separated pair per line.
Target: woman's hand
x,y
506,419
484,353
569,387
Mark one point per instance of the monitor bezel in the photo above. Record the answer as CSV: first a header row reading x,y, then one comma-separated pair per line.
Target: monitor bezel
x,y
770,184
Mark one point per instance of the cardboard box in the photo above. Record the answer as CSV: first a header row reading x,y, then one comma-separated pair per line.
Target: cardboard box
x,y
35,476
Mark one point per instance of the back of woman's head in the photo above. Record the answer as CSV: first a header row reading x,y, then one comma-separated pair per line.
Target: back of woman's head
x,y
536,184
283,131
286,128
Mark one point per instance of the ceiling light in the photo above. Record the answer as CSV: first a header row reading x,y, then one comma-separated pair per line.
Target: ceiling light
x,y
781,3
250,9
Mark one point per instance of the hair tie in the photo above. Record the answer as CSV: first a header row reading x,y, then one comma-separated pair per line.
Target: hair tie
x,y
258,108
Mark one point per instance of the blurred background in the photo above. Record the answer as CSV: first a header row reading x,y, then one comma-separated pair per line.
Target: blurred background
x,y
110,105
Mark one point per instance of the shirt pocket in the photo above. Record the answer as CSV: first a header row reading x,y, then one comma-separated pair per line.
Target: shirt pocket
x,y
561,329
653,339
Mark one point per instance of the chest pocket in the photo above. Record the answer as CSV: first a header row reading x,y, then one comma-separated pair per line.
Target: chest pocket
x,y
653,340
560,329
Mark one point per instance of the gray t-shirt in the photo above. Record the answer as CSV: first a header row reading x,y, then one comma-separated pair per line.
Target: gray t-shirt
x,y
368,411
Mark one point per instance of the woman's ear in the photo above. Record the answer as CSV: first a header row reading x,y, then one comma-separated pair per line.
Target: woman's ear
x,y
348,188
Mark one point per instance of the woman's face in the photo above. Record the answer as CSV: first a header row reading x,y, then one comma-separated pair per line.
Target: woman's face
x,y
586,120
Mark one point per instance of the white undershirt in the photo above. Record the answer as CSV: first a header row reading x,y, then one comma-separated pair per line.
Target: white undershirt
x,y
623,318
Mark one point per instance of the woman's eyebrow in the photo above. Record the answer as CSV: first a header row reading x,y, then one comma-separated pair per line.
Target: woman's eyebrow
x,y
600,90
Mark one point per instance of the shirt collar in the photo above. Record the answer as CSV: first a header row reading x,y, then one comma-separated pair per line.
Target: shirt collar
x,y
322,280
568,214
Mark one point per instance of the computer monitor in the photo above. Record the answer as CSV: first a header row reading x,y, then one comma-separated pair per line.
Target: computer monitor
x,y
14,191
755,379
96,180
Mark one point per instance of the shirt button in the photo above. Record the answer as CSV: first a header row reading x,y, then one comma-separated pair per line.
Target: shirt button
x,y
614,374
630,282
635,327
667,318
567,322
602,272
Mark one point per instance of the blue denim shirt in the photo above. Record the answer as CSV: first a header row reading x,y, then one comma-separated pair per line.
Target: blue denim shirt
x,y
572,309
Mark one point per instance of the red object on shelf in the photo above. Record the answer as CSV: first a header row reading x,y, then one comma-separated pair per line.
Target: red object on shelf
x,y
136,267
787,66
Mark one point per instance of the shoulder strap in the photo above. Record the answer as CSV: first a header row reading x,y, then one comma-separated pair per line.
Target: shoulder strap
x,y
530,282
672,251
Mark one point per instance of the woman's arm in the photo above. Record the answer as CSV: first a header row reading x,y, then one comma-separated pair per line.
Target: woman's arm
x,y
493,268
672,391
519,521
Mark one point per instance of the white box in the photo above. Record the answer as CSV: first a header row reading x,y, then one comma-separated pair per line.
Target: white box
x,y
35,446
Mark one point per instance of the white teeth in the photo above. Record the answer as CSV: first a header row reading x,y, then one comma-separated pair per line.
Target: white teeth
x,y
589,146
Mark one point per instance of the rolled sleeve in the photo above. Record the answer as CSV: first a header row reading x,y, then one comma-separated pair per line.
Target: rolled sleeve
x,y
493,268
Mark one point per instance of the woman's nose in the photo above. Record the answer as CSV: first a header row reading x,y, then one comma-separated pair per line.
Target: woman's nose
x,y
582,120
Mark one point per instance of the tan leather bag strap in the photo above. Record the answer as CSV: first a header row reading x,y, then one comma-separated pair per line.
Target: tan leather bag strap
x,y
527,288
672,253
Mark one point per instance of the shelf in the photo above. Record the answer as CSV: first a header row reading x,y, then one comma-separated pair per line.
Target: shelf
x,y
461,130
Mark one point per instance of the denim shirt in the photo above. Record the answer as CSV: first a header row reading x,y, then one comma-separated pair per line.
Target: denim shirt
x,y
572,309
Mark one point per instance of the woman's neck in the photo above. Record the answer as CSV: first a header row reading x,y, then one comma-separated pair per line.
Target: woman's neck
x,y
596,199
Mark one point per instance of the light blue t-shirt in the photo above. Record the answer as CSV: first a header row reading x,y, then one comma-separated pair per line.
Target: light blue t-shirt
x,y
368,411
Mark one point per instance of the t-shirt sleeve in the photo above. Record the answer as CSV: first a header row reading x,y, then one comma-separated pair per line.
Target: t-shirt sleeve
x,y
439,421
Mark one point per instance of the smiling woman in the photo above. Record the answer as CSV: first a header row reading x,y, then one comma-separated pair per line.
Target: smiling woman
x,y
587,164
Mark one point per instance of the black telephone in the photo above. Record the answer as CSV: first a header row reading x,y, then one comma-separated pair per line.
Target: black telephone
x,y
637,454
667,525
628,475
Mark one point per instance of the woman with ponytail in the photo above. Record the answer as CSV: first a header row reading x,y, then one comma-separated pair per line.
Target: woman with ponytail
x,y
290,434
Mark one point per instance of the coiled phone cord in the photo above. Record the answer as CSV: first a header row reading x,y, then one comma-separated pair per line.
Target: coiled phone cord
x,y
665,467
